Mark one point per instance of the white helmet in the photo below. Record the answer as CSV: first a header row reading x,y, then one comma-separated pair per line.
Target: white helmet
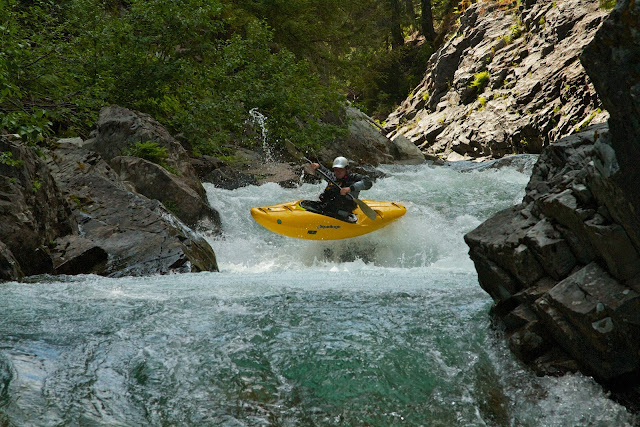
x,y
340,162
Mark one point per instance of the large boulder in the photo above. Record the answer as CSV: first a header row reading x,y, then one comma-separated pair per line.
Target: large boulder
x,y
120,232
406,151
508,81
563,267
612,61
156,182
364,144
118,130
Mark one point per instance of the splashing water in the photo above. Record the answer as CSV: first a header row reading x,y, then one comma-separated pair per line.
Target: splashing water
x,y
386,329
259,119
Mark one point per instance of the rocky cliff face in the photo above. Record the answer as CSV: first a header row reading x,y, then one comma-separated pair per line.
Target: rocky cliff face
x,y
564,266
508,81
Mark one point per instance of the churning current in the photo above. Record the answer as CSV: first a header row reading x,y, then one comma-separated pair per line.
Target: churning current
x,y
386,329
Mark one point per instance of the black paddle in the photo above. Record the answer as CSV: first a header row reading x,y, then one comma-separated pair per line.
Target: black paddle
x,y
365,208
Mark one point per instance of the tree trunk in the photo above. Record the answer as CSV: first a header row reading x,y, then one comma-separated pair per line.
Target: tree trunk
x,y
410,12
397,38
426,20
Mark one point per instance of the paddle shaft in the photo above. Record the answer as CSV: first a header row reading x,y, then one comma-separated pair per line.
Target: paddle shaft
x,y
365,208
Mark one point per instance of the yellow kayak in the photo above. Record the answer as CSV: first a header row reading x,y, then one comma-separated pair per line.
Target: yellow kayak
x,y
292,220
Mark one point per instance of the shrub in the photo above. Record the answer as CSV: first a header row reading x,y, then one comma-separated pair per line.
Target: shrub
x,y
480,81
6,158
514,32
148,150
607,4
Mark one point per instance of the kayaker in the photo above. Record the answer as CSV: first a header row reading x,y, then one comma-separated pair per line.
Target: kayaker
x,y
334,201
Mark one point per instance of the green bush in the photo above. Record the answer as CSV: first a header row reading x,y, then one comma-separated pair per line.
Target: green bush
x,y
200,66
197,66
515,31
480,81
6,158
607,4
148,150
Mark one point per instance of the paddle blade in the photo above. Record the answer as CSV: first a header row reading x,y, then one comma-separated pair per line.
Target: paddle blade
x,y
366,209
294,152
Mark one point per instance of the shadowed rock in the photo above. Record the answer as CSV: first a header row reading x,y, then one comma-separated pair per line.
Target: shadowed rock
x,y
33,212
119,231
175,182
578,305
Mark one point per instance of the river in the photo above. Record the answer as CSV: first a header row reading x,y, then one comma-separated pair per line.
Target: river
x,y
385,329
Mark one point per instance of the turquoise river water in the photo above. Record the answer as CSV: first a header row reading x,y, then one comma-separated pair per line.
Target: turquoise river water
x,y
385,329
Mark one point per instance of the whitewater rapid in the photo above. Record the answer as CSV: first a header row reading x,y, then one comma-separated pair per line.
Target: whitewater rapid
x,y
389,328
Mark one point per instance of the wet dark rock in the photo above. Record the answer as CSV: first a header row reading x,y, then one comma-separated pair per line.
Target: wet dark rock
x,y
120,232
33,212
578,306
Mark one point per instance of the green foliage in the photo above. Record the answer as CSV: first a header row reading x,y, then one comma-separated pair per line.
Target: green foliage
x,y
76,200
171,207
386,80
37,184
148,150
480,81
19,67
607,4
186,63
588,120
6,158
152,152
199,66
515,31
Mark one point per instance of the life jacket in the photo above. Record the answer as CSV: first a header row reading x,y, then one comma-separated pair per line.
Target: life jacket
x,y
332,198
